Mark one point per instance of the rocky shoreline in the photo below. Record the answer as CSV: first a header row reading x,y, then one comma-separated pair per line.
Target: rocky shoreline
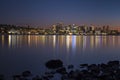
x,y
108,71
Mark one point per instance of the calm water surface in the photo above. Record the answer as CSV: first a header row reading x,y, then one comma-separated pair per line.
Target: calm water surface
x,y
29,52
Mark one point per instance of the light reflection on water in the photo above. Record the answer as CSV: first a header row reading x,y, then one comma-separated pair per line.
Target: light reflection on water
x,y
68,41
3,40
32,51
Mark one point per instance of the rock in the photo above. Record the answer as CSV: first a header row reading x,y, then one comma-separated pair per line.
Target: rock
x,y
45,78
92,67
49,74
37,78
61,70
26,74
1,77
54,64
114,65
65,77
111,63
83,65
70,66
17,77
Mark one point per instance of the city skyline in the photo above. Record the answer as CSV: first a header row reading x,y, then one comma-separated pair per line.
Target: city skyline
x,y
45,13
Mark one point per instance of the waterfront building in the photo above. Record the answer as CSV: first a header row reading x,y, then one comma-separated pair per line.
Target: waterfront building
x,y
114,29
13,31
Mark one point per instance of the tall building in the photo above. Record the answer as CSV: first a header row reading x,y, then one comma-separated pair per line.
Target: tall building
x,y
54,29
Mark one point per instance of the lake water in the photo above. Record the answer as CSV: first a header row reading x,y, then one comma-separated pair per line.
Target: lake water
x,y
30,52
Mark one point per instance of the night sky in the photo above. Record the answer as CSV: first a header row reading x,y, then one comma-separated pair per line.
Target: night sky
x,y
45,13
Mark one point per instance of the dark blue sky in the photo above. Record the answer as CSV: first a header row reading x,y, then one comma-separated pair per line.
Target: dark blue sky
x,y
47,12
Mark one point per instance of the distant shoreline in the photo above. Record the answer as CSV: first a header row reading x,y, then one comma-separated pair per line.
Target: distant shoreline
x,y
60,35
